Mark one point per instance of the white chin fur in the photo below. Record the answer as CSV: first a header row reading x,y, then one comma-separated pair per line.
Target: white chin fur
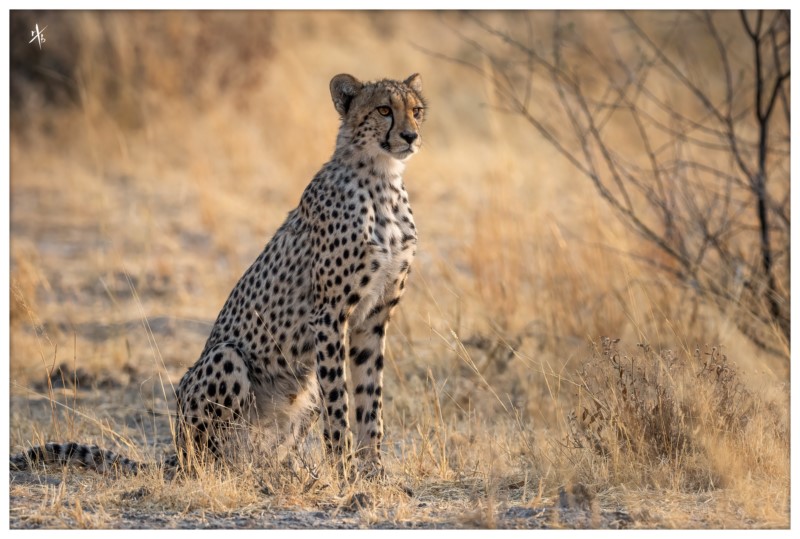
x,y
390,164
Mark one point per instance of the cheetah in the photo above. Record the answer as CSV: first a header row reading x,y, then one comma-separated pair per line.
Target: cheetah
x,y
314,305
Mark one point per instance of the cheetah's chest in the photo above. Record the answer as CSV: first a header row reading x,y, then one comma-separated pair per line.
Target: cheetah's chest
x,y
391,249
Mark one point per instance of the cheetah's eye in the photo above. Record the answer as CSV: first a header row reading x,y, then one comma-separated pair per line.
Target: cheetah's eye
x,y
384,111
417,113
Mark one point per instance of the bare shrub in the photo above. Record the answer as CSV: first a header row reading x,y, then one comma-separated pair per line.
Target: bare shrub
x,y
664,414
628,404
702,176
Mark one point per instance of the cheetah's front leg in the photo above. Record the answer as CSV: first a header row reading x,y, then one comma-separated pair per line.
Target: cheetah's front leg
x,y
330,337
367,347
367,344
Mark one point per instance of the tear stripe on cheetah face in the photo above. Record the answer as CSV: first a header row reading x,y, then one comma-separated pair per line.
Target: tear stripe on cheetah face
x,y
309,317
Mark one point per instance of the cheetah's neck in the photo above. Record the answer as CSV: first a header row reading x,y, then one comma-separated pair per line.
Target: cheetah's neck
x,y
383,164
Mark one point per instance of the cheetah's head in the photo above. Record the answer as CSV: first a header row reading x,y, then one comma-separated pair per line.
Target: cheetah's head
x,y
381,118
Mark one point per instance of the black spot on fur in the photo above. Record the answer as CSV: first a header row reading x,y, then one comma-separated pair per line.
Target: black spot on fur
x,y
363,356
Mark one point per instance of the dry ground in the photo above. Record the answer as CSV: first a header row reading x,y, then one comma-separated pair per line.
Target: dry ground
x,y
134,212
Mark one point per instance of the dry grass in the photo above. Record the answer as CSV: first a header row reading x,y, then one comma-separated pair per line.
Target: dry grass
x,y
140,195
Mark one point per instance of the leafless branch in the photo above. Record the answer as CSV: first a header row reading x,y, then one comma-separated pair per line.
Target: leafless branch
x,y
691,186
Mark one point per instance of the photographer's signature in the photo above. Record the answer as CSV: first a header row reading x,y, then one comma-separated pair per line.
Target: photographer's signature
x,y
38,34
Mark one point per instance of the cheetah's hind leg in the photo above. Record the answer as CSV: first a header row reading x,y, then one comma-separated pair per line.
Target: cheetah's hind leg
x,y
292,451
214,407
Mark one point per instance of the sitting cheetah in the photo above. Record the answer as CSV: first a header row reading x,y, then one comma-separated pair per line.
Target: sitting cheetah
x,y
318,297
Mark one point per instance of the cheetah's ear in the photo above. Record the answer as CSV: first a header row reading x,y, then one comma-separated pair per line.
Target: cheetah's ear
x,y
414,82
343,89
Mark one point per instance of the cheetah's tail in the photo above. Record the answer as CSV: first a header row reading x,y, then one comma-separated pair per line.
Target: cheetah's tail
x,y
88,456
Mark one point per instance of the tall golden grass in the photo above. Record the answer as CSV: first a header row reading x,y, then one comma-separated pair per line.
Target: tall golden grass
x,y
179,143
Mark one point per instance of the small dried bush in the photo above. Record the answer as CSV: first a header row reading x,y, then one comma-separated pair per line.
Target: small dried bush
x,y
663,416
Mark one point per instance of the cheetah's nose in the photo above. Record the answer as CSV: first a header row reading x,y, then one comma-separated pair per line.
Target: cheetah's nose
x,y
408,137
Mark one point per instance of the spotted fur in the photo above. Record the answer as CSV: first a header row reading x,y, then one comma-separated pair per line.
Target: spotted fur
x,y
314,305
